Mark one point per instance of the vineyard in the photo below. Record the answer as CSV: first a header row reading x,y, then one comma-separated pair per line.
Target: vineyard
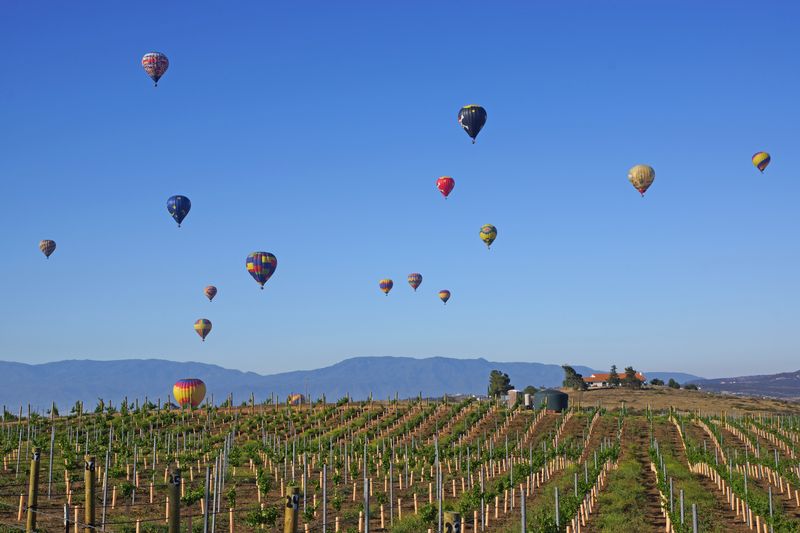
x,y
415,466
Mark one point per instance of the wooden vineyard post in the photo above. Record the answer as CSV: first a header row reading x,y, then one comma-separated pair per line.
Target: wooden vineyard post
x,y
33,491
291,511
174,520
89,484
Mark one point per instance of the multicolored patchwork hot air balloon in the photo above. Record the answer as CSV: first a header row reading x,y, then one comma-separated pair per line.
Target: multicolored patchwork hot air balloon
x,y
178,206
641,177
386,285
445,185
47,247
472,118
155,64
761,160
488,234
444,295
415,280
203,328
261,266
189,392
210,292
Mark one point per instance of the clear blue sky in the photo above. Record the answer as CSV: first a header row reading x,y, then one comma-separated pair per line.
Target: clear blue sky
x,y
315,130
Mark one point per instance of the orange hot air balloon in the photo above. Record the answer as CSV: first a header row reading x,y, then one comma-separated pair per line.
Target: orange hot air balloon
x,y
445,185
189,392
210,292
444,295
203,328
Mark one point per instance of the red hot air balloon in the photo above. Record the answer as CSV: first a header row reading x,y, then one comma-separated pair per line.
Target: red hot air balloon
x,y
210,292
445,185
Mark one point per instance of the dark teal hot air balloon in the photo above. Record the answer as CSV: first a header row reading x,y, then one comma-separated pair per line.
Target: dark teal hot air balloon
x,y
178,206
472,118
261,266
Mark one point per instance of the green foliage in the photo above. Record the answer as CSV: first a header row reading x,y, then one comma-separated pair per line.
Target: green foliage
x,y
192,496
268,516
690,386
573,380
657,382
499,383
613,377
230,496
673,384
630,380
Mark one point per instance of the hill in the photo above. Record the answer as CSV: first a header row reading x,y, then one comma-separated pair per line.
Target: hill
x,y
785,385
67,381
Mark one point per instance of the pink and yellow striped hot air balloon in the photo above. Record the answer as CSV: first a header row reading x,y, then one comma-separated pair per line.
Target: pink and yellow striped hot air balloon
x,y
189,392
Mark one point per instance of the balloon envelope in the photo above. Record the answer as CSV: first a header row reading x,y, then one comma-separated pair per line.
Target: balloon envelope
x,y
386,285
488,234
444,295
178,206
261,266
415,280
472,118
641,177
761,160
47,247
203,327
189,392
210,292
155,64
445,185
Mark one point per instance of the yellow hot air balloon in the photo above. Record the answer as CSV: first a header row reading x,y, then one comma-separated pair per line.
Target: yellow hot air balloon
x,y
641,177
488,234
761,160
189,392
202,327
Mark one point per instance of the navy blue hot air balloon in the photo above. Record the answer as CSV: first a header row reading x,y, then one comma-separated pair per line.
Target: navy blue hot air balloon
x,y
178,206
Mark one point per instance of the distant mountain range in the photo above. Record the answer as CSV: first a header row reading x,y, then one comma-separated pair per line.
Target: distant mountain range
x,y
785,385
65,382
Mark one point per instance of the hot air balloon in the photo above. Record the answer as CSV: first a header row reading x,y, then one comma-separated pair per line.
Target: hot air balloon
x,y
210,292
472,118
444,295
415,280
261,266
189,392
445,185
641,177
386,285
761,160
47,247
178,206
488,234
155,64
203,328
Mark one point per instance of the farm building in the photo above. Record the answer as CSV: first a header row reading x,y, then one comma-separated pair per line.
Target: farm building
x,y
601,380
551,400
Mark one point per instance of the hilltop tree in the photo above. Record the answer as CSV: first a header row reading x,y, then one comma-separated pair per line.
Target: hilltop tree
x,y
573,380
613,377
631,381
656,381
499,383
673,384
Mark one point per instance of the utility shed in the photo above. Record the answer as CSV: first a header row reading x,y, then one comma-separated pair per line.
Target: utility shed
x,y
551,400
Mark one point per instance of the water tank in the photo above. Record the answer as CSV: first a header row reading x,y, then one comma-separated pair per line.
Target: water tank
x,y
551,399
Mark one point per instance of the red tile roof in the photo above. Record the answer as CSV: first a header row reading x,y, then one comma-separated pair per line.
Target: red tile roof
x,y
601,377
